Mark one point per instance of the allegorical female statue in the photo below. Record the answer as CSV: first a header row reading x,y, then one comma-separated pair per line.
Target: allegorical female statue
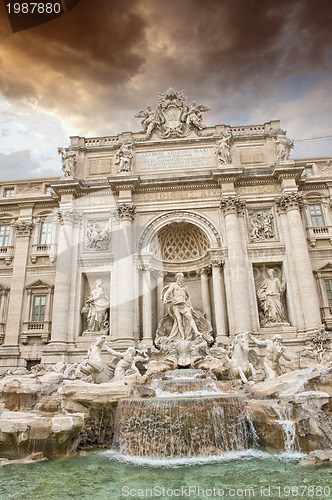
x,y
270,298
96,308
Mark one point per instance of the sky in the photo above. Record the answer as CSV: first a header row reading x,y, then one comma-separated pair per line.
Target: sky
x,y
91,70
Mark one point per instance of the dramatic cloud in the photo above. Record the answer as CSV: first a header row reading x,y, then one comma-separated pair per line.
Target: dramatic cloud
x,y
22,164
96,66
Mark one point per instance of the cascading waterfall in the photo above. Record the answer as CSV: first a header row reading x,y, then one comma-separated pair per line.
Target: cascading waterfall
x,y
177,427
284,415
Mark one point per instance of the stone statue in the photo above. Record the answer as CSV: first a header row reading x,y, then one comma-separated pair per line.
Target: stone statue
x,y
274,351
173,116
180,309
98,235
223,149
270,298
284,145
150,120
124,157
183,336
96,308
122,364
68,162
126,362
240,358
261,225
194,115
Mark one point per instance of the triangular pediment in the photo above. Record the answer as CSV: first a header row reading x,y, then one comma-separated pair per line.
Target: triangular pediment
x,y
325,270
39,284
3,288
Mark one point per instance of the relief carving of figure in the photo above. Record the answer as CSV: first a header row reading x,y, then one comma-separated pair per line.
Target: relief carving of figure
x,y
261,225
284,145
124,157
96,308
68,162
270,299
98,235
223,149
274,352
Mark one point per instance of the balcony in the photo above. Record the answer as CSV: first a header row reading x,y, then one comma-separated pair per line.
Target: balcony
x,y
32,329
7,253
43,250
319,233
326,313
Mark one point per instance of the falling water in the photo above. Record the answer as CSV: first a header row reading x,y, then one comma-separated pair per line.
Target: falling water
x,y
284,415
178,427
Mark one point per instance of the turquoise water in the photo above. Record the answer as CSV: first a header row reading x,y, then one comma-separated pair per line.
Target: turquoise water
x,y
106,475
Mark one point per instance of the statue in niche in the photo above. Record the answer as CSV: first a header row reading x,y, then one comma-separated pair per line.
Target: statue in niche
x,y
68,162
270,299
124,157
183,334
98,235
274,352
284,145
96,308
176,295
223,149
261,225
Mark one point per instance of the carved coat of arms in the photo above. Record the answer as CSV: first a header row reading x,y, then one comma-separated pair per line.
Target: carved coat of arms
x,y
172,116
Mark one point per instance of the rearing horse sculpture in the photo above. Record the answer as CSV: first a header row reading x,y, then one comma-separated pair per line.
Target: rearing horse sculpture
x,y
240,365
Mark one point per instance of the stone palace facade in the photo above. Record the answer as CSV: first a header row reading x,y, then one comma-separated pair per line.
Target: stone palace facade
x,y
223,205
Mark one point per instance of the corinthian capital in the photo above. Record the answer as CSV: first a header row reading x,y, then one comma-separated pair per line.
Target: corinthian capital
x,y
232,205
126,211
289,202
69,216
23,228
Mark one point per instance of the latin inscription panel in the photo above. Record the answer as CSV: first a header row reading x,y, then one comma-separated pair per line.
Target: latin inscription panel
x,y
175,159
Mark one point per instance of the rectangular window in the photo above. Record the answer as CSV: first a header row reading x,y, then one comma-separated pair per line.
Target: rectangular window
x,y
316,214
9,192
38,308
308,171
48,190
4,235
328,288
45,235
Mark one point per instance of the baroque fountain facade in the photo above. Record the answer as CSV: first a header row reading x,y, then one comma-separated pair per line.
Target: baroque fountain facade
x,y
179,276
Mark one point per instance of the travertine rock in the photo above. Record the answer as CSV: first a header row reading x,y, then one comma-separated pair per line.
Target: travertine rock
x,y
286,385
52,434
318,457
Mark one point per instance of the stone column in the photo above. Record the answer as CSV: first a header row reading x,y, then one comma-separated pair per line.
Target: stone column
x,y
23,229
65,274
204,274
240,311
160,303
147,305
291,204
125,276
219,305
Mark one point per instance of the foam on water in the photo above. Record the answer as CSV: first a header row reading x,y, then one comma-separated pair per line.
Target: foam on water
x,y
175,462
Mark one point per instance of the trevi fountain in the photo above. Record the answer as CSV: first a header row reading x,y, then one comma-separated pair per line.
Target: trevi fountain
x,y
174,344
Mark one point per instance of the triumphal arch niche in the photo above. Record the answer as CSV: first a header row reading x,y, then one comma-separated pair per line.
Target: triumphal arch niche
x,y
247,227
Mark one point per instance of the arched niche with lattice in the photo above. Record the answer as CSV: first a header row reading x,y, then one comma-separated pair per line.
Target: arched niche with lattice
x,y
179,242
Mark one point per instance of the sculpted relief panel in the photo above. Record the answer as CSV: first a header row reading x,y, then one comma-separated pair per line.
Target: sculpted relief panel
x,y
261,225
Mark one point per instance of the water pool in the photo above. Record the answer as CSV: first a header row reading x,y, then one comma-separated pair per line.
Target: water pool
x,y
108,475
